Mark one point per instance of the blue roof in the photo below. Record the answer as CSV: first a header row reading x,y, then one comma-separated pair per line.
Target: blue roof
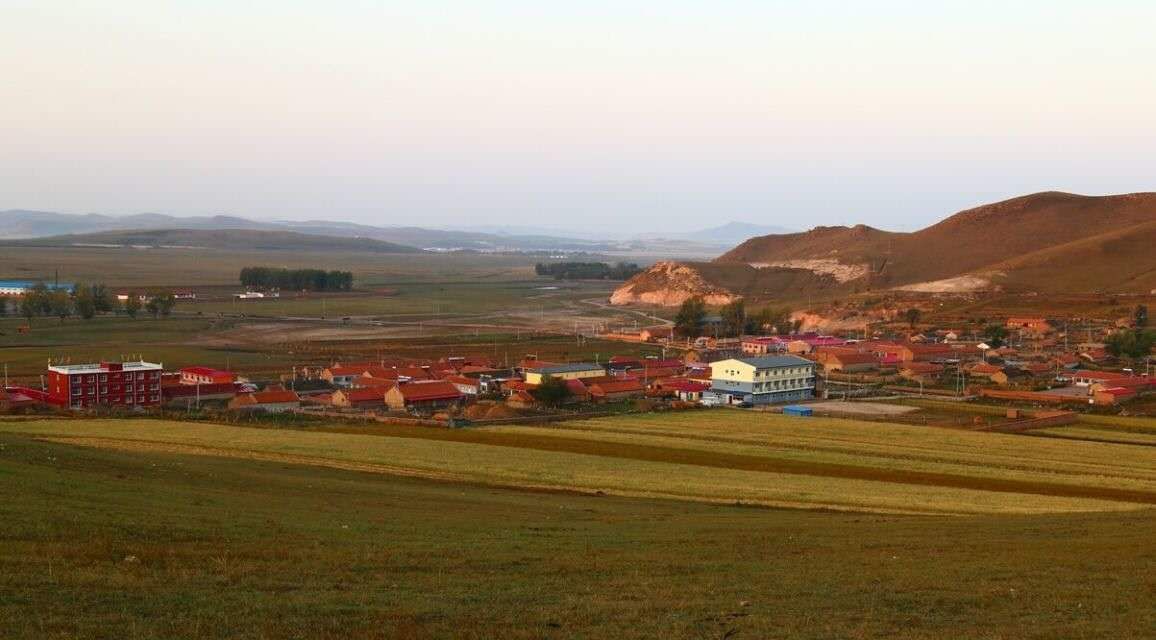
x,y
771,362
28,284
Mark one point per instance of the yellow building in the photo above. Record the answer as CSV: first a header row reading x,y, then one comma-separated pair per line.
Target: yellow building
x,y
764,379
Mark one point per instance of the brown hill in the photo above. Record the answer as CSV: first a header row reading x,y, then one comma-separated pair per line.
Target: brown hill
x,y
969,241
1047,242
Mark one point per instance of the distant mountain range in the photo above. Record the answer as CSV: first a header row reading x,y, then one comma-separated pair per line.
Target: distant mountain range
x,y
728,234
234,239
1046,242
16,224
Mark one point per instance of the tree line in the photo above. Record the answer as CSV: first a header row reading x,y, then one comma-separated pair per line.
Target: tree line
x,y
734,320
84,301
297,279
587,270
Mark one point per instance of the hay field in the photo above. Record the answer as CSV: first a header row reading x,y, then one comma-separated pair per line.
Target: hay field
x,y
638,465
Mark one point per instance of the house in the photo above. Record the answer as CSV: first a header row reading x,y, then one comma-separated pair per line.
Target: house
x,y
1084,378
272,401
846,360
763,379
1109,396
371,398
20,398
920,371
1010,375
574,371
80,386
173,389
683,388
616,389
655,334
206,375
341,376
706,356
983,370
762,345
521,400
425,396
1038,326
925,352
468,386
579,392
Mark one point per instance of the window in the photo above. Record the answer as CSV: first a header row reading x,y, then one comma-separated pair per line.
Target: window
x,y
103,377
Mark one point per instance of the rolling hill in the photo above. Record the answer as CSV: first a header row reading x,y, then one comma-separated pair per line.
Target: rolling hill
x,y
239,239
1047,242
27,224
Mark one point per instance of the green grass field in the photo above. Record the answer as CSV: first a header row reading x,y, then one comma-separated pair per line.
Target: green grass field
x,y
105,543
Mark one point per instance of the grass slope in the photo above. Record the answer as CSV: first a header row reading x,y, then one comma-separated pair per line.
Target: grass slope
x,y
108,544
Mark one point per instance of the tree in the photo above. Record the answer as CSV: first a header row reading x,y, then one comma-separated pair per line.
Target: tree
x,y
59,304
165,304
132,304
551,391
912,315
160,304
766,317
84,302
995,334
1140,316
102,299
734,318
34,302
690,318
1134,343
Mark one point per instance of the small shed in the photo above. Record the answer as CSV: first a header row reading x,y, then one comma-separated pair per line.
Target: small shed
x,y
797,410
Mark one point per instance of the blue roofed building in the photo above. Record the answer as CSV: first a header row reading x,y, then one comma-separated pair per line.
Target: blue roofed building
x,y
20,287
763,379
572,371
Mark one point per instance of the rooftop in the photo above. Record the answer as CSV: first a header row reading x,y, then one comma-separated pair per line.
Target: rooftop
x,y
771,362
104,367
574,367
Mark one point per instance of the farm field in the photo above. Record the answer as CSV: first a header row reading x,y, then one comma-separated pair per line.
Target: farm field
x,y
718,456
97,542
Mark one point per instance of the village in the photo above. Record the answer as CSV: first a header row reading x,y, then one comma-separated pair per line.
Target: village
x,y
1033,363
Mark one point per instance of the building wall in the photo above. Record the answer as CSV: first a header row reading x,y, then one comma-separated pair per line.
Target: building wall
x,y
535,377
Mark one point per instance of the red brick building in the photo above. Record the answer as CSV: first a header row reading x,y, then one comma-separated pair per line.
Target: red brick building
x,y
79,386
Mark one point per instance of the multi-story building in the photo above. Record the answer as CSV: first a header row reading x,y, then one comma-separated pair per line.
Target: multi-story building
x,y
80,386
763,379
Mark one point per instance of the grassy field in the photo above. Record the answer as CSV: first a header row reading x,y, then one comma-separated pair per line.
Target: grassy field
x,y
185,268
710,456
104,543
170,341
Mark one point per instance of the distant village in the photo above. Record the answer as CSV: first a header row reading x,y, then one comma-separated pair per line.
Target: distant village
x,y
1024,359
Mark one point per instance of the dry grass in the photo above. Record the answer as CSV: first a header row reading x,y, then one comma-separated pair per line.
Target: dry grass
x,y
525,460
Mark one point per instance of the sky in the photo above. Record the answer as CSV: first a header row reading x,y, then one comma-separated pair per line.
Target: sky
x,y
629,115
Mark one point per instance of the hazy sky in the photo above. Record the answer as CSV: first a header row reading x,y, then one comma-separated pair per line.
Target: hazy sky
x,y
671,114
